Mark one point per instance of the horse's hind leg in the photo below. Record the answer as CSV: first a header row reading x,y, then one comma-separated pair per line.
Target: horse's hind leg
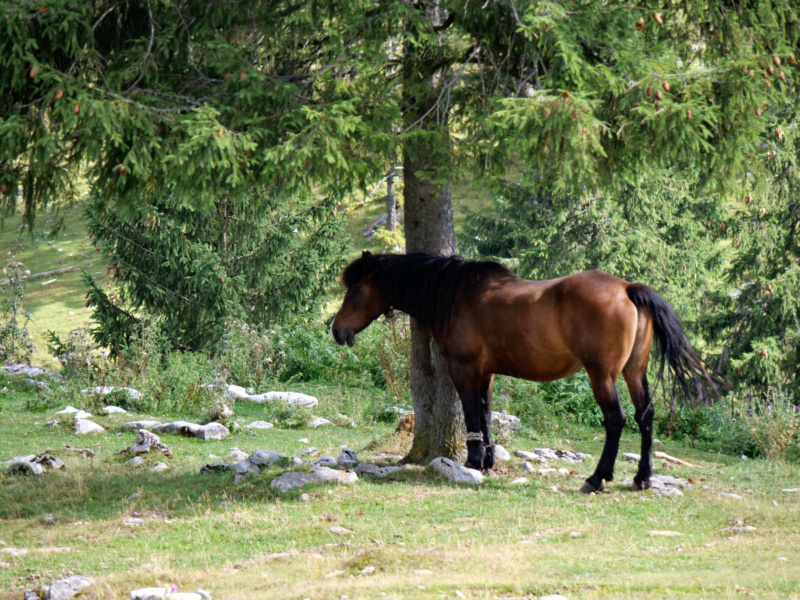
x,y
605,393
486,422
640,396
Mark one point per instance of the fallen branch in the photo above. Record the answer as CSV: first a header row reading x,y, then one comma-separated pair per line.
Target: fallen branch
x,y
44,274
672,459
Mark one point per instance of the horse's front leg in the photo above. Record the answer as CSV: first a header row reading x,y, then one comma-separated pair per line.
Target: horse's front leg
x,y
486,422
469,390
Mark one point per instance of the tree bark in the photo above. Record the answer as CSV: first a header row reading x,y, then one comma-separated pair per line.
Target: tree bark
x,y
438,416
391,202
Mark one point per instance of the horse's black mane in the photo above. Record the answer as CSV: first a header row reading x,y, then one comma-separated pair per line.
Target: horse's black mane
x,y
427,286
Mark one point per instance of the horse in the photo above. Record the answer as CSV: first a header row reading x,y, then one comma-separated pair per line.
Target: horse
x,y
486,320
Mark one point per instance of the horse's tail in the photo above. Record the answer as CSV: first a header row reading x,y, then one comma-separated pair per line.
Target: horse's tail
x,y
687,371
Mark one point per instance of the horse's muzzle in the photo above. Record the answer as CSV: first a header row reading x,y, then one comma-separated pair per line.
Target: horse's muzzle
x,y
343,336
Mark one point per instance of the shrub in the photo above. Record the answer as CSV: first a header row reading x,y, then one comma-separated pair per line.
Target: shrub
x,y
16,343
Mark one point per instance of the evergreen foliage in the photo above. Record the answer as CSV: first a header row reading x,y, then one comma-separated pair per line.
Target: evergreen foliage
x,y
259,256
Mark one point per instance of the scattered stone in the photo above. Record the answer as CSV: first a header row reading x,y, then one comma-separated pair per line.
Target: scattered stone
x,y
159,467
565,455
370,470
520,481
347,459
338,530
32,464
146,442
664,533
546,471
326,460
308,451
133,521
664,485
82,414
631,457
452,471
553,597
265,457
304,498
292,480
502,419
136,461
526,466
344,420
86,452
739,530
63,589
235,455
368,570
791,490
731,496
501,453
52,424
83,427
333,574
30,595
318,422
290,398
258,425
113,410
531,456
210,431
105,390
137,425
68,410
14,551
389,414
237,392
22,369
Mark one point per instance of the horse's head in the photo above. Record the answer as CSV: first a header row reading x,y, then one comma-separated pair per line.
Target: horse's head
x,y
362,303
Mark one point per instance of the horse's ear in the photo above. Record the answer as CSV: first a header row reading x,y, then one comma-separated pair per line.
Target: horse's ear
x,y
366,259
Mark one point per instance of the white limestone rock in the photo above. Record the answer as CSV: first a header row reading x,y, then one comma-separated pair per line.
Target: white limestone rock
x,y
210,431
530,456
145,442
290,398
104,390
83,427
452,471
137,425
64,589
159,467
370,470
502,419
501,453
263,458
347,459
237,392
326,460
235,455
113,410
151,593
318,422
631,457
68,410
22,369
260,425
292,480
565,455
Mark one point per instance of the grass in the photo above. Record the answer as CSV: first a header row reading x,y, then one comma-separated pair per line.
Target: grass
x,y
58,305
425,538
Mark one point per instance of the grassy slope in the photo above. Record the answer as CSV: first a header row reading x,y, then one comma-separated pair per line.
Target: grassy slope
x,y
424,537
57,305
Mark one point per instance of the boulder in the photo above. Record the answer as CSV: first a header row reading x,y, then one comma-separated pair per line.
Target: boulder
x,y
145,442
235,455
326,460
68,410
347,459
501,453
82,427
104,390
370,470
82,414
24,465
237,392
158,467
290,398
111,410
63,589
210,431
137,425
292,479
318,422
452,471
22,369
258,425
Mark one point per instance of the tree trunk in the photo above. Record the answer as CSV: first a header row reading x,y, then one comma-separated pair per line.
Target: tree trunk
x,y
391,202
438,416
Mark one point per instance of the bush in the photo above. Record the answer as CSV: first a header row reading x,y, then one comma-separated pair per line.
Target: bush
x,y
246,355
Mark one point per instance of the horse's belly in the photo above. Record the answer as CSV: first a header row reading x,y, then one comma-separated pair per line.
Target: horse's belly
x,y
536,365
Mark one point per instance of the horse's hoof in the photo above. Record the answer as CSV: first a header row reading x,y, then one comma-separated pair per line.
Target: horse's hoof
x,y
638,486
473,465
588,488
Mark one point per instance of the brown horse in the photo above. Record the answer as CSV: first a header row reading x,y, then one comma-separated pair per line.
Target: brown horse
x,y
488,321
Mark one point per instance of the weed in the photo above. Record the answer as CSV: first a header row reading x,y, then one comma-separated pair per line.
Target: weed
x,y
16,342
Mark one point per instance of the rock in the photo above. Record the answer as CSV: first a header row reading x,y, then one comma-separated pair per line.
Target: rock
x,y
258,425
731,496
24,465
347,459
136,461
30,594
265,457
22,369
235,455
501,453
631,457
113,410
237,392
552,597
82,414
326,460
370,470
304,498
452,471
183,596
137,425
672,481
739,530
502,419
292,480
664,485
63,589
368,570
210,431
389,414
159,467
82,427
14,551
68,410
105,390
52,424
526,466
565,455
308,451
146,442
531,456
338,530
152,593
290,398
318,422
520,481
